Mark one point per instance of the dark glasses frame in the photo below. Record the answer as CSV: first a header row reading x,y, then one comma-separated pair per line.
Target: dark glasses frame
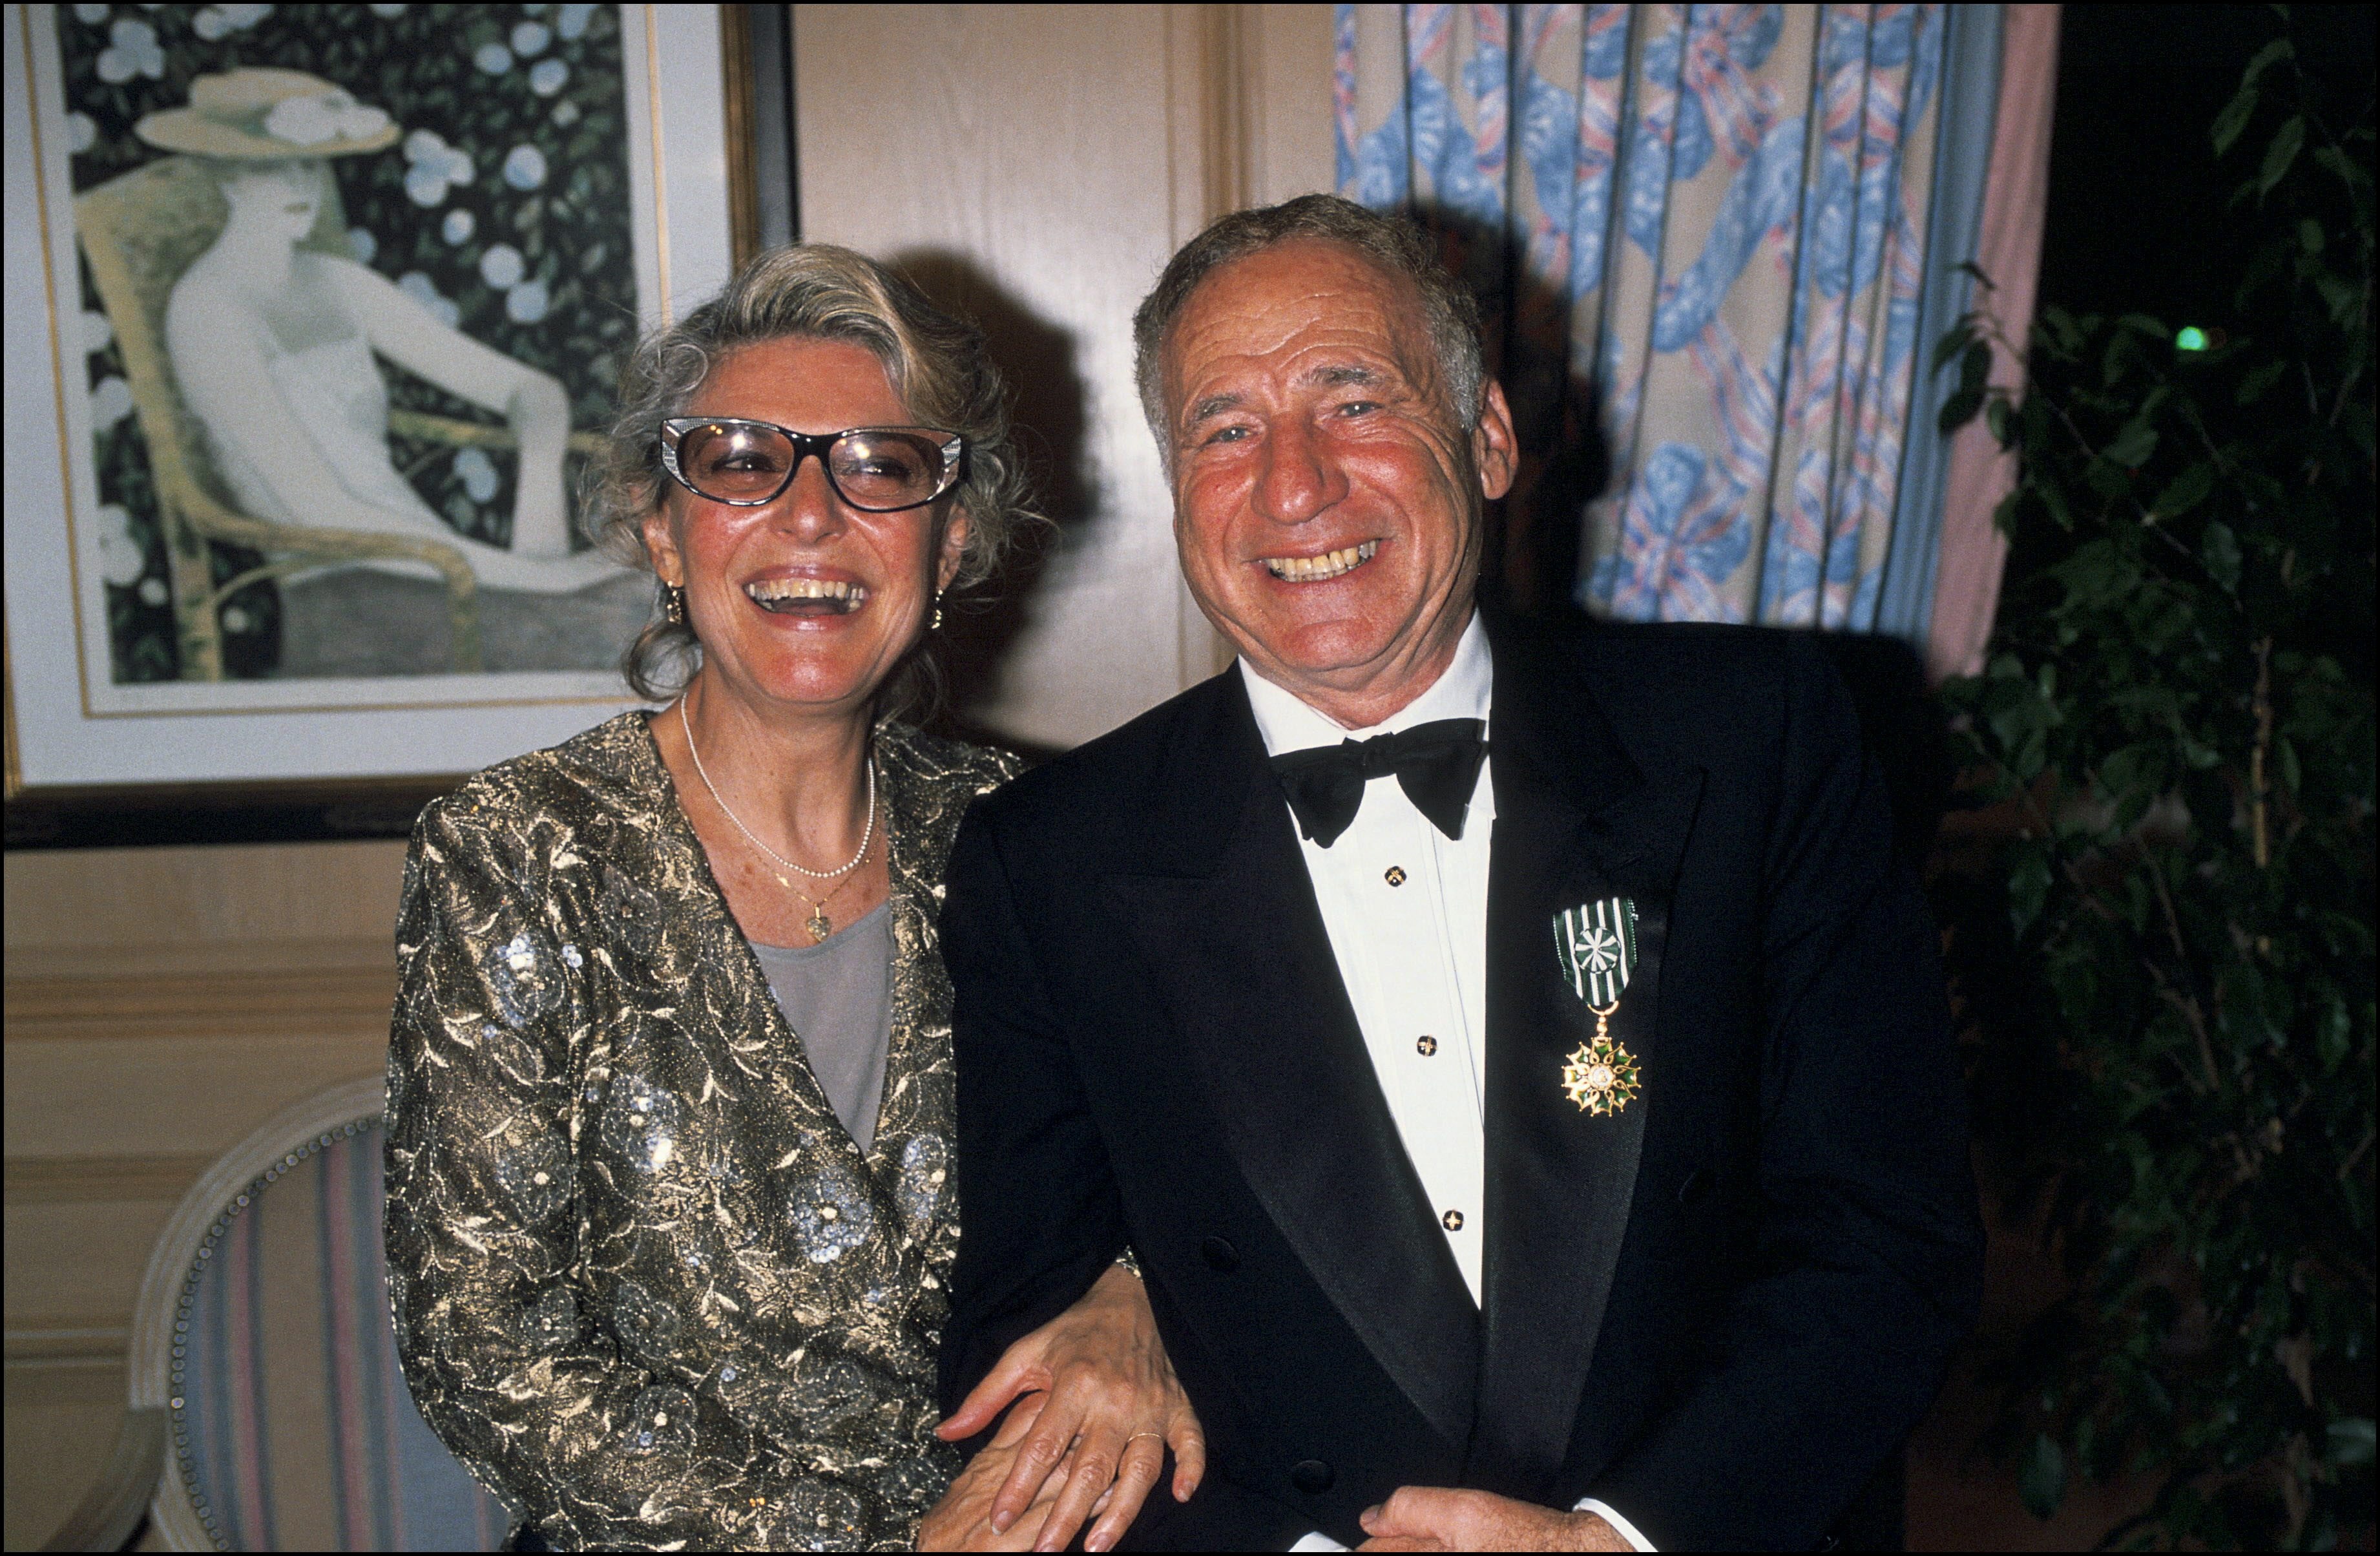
x,y
954,449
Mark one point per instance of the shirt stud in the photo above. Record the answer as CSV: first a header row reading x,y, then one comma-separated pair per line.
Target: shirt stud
x,y
1396,875
1426,1046
1452,1221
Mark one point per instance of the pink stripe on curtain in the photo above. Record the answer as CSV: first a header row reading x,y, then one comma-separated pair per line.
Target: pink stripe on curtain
x,y
1967,577
244,1382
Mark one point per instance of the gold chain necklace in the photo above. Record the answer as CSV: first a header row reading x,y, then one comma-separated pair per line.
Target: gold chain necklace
x,y
818,924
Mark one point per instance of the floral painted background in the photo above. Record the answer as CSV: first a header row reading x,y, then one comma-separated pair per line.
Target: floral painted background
x,y
505,210
1699,232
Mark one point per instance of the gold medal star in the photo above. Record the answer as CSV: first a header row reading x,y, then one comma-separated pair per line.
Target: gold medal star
x,y
1600,1077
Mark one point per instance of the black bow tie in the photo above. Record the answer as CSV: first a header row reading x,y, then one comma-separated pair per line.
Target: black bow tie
x,y
1437,764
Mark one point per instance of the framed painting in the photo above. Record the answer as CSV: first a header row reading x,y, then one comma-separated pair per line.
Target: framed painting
x,y
314,313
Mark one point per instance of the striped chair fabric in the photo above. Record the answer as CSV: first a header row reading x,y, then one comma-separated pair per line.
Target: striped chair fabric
x,y
291,1426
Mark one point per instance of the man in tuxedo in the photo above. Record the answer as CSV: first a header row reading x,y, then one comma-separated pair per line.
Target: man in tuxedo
x,y
1511,1053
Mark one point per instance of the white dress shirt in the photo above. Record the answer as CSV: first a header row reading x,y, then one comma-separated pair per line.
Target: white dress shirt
x,y
1406,910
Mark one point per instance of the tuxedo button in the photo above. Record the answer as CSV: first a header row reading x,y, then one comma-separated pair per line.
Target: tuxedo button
x,y
1426,1047
1696,1190
1312,1476
1220,1255
1451,1221
1395,876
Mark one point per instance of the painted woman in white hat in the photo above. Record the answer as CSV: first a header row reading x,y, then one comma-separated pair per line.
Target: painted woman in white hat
x,y
272,343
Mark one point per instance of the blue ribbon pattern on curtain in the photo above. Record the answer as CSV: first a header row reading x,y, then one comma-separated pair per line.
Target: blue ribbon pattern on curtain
x,y
1676,254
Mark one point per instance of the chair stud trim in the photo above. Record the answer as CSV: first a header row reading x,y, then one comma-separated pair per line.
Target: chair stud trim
x,y
176,1405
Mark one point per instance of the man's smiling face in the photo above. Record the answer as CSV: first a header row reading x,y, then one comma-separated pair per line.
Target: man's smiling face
x,y
1327,501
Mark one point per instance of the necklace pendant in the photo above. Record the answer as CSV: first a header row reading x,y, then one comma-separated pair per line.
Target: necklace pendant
x,y
820,925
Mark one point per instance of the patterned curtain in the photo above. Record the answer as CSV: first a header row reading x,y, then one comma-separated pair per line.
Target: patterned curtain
x,y
1699,231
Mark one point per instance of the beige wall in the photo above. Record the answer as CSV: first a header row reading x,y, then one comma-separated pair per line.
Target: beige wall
x,y
160,1003
1036,164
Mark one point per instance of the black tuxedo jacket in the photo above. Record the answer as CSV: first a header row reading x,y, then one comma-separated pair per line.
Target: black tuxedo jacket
x,y
1719,1310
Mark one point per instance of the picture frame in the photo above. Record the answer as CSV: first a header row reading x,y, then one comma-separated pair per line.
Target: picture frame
x,y
101,750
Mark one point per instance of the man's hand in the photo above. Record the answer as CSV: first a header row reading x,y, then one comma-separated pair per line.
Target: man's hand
x,y
1114,1406
959,1520
1434,1518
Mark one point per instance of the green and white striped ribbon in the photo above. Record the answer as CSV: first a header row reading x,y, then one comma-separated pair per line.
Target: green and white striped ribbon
x,y
1597,942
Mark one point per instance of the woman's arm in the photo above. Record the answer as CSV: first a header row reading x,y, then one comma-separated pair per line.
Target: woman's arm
x,y
528,1386
533,402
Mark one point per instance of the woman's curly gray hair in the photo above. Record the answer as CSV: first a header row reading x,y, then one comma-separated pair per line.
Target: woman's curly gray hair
x,y
936,363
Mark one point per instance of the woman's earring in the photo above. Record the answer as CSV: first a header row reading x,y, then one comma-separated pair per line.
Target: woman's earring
x,y
937,624
672,603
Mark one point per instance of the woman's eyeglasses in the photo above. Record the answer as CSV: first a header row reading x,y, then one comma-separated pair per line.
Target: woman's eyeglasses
x,y
876,469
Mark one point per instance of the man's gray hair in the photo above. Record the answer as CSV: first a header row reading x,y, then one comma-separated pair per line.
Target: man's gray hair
x,y
936,363
1389,241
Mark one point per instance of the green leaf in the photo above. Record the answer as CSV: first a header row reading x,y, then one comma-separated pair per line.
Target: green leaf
x,y
1954,340
2287,143
2133,446
2334,1034
2003,425
2055,501
2310,236
2220,549
2189,490
1959,409
2028,889
2059,325
2233,119
2266,58
2147,325
2343,296
2242,107
2260,380
2004,512
1975,366
2351,1440
2292,776
2349,172
2042,1480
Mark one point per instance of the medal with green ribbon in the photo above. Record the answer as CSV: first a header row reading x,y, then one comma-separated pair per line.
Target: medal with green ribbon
x,y
1596,944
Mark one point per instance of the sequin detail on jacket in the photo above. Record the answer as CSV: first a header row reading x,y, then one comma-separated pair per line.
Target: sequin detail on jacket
x,y
644,1285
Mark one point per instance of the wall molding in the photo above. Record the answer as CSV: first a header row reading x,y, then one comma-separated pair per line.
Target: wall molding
x,y
289,1002
78,1180
67,1344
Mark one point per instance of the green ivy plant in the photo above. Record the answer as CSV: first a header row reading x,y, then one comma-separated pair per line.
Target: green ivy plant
x,y
2172,1019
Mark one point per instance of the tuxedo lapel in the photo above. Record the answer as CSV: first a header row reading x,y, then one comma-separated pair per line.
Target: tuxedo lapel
x,y
1228,921
1576,821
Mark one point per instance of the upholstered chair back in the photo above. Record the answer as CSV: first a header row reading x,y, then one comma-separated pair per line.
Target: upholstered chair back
x,y
288,1423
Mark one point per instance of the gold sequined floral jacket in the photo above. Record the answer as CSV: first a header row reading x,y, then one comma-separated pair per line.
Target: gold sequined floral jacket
x,y
645,1285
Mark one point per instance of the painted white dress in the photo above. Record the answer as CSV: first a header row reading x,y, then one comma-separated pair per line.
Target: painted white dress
x,y
335,397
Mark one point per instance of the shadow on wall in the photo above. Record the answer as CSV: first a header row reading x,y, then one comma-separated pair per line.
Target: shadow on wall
x,y
1049,404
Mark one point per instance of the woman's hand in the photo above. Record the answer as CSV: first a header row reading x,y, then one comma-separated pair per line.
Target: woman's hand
x,y
1114,1406
962,1520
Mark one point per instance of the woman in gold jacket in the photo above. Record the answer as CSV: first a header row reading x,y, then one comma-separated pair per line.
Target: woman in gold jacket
x,y
671,1201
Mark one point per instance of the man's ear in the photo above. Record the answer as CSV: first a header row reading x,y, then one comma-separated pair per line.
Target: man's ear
x,y
1493,448
954,548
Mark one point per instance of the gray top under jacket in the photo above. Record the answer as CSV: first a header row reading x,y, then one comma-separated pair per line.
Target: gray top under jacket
x,y
834,997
